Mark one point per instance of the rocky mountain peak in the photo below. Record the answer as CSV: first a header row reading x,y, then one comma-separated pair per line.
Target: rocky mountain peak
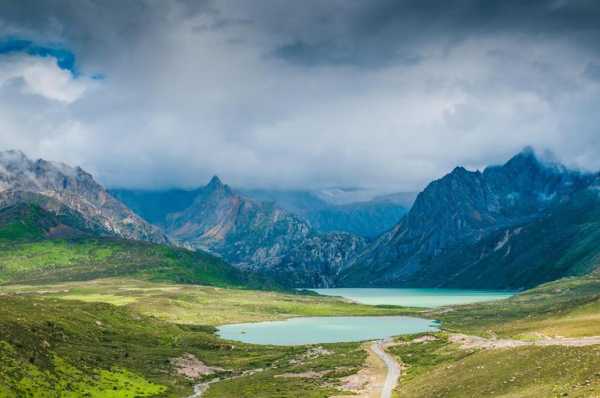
x,y
71,187
526,159
216,185
215,182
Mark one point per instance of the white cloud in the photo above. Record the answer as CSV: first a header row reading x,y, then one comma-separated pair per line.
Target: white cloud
x,y
41,76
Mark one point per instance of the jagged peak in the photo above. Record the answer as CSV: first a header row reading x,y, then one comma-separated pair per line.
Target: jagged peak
x,y
530,158
459,170
215,181
216,185
526,156
13,157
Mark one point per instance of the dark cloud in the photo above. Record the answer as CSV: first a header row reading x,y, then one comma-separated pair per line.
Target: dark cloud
x,y
380,93
592,71
377,32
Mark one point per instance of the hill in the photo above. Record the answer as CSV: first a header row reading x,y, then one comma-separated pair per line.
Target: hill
x,y
41,246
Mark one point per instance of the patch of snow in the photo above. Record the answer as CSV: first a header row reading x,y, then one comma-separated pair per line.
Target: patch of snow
x,y
503,241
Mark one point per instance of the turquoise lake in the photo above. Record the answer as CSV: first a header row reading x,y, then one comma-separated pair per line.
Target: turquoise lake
x,y
314,330
415,297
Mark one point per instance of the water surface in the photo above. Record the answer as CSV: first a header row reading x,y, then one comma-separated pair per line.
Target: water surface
x,y
314,330
425,298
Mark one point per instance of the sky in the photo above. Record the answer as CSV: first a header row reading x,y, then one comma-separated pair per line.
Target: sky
x,y
385,94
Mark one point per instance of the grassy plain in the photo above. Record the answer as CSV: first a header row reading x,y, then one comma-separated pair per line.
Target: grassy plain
x,y
204,305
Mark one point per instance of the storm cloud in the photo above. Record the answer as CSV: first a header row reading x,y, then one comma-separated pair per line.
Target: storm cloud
x,y
382,94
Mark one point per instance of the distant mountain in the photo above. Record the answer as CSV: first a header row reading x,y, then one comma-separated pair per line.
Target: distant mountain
x,y
155,206
56,187
510,226
360,212
254,235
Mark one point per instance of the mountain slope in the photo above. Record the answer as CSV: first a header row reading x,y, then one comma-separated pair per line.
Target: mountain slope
x,y
511,226
40,246
261,237
56,187
254,235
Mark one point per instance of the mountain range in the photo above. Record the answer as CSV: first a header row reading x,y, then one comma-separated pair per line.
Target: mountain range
x,y
252,235
511,226
358,211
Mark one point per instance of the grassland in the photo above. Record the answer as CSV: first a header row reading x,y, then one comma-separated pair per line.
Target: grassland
x,y
439,368
92,337
205,305
76,348
568,307
56,260
86,316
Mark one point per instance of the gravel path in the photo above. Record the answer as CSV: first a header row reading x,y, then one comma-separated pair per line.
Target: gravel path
x,y
393,369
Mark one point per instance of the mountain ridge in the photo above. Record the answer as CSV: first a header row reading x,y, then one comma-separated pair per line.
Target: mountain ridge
x,y
459,211
56,185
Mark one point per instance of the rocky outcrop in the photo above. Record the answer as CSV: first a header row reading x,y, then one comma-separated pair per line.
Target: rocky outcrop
x,y
56,185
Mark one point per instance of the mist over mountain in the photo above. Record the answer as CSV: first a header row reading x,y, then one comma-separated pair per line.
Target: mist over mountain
x,y
61,188
359,211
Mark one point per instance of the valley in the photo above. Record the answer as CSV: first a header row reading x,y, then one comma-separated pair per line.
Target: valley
x,y
299,199
90,310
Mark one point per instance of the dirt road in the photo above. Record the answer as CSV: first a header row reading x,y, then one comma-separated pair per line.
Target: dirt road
x,y
393,369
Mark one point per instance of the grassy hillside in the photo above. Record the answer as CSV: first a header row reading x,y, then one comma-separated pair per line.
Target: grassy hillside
x,y
55,348
568,307
37,246
439,368
563,241
60,338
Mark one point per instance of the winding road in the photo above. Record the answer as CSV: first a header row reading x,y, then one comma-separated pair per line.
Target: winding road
x,y
393,369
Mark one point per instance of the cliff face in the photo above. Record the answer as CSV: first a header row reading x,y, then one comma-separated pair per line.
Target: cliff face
x,y
57,186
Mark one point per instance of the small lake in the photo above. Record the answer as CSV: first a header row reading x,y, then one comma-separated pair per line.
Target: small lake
x,y
425,298
314,330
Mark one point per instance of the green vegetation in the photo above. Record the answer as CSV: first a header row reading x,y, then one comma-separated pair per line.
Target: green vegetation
x,y
420,356
37,246
90,258
73,348
440,369
567,307
206,305
89,316
311,376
